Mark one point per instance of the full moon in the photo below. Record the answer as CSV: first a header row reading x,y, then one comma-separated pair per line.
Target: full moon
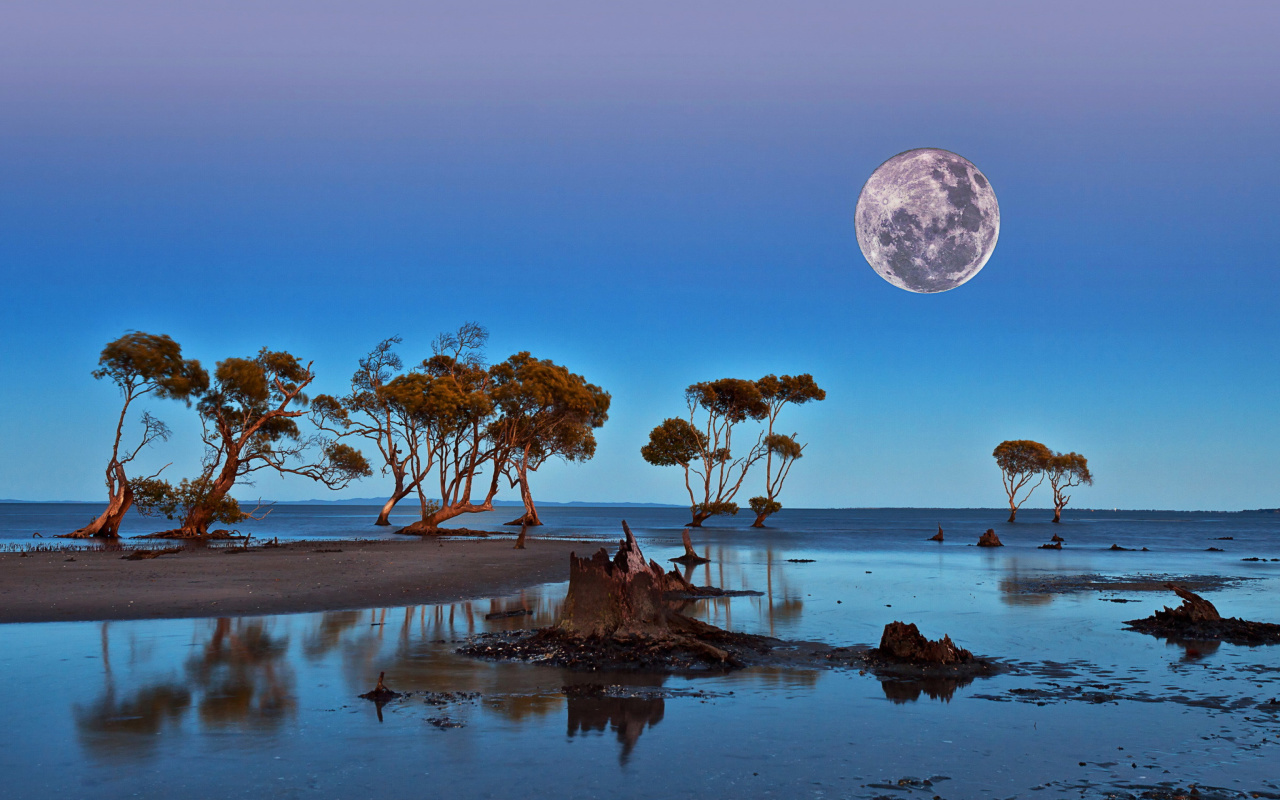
x,y
927,220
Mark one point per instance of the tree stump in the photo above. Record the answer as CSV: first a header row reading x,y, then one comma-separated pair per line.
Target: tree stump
x,y
380,693
989,539
903,642
524,529
1194,608
1057,538
1051,546
619,595
690,557
937,537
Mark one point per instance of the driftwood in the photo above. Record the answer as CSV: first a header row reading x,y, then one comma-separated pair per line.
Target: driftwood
x,y
937,537
142,555
989,539
902,642
690,557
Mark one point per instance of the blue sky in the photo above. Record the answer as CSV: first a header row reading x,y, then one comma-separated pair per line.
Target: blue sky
x,y
656,195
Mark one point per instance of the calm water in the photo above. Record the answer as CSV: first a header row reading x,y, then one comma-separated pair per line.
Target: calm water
x,y
266,707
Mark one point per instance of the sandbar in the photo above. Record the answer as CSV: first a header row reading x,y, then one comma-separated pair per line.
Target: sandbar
x,y
295,577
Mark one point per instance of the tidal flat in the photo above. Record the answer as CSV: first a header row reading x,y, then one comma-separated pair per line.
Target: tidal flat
x,y
267,705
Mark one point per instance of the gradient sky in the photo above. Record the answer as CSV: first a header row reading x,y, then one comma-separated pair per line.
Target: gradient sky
x,y
656,195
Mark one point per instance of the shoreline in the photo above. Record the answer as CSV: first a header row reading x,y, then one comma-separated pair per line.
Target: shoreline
x,y
296,577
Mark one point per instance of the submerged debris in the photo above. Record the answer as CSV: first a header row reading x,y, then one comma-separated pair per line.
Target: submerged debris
x,y
1198,619
1052,546
519,612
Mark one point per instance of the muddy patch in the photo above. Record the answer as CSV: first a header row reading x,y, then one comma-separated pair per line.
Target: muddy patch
x,y
1074,584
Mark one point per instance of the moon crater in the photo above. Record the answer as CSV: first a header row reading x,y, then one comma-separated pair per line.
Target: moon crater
x,y
927,220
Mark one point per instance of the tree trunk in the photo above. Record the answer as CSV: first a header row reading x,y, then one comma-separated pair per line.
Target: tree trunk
x,y
698,517
107,524
1057,513
384,516
530,516
520,540
760,518
1013,513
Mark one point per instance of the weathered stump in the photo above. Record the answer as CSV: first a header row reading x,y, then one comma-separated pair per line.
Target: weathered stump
x,y
937,537
1198,620
524,529
903,642
1057,538
989,539
619,595
1194,608
690,557
1051,546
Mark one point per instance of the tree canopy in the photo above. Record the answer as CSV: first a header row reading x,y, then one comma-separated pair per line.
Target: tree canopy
x,y
248,417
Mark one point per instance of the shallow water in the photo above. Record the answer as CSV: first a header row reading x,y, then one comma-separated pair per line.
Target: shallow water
x,y
267,706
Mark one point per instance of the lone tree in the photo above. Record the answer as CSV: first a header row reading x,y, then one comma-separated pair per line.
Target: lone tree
x,y
248,418
544,411
1020,461
388,417
138,364
703,449
1066,471
777,393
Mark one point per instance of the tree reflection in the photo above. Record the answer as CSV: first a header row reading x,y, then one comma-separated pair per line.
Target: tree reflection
x,y
243,675
238,678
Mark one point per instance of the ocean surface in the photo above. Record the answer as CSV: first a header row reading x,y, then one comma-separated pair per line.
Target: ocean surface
x,y
267,706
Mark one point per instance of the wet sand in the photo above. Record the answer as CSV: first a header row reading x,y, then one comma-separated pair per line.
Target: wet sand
x,y
297,577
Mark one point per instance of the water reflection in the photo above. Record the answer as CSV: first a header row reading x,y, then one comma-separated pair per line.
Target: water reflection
x,y
238,678
628,717
937,688
1018,590
242,675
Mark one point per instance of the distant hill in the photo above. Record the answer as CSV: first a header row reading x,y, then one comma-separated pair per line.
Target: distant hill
x,y
377,501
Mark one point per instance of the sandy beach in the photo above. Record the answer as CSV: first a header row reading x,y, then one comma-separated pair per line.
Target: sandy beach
x,y
297,577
